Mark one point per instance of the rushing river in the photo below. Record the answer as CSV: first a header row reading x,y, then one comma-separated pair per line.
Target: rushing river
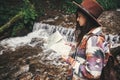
x,y
43,31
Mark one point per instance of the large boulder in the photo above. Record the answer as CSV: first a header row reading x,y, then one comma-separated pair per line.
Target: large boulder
x,y
110,20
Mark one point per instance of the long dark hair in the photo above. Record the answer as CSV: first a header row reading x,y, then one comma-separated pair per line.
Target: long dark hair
x,y
80,31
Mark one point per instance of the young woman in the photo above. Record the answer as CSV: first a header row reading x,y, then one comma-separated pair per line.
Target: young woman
x,y
92,51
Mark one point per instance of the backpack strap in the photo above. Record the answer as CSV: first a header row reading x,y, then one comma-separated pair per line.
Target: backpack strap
x,y
83,43
84,40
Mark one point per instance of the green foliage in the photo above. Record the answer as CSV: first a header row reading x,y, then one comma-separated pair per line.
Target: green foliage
x,y
7,12
29,16
29,12
18,27
65,5
108,4
39,7
69,7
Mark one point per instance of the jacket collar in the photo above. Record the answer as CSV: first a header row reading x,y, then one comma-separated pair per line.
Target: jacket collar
x,y
96,31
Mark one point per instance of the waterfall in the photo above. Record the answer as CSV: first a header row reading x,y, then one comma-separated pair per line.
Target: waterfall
x,y
43,31
67,32
40,31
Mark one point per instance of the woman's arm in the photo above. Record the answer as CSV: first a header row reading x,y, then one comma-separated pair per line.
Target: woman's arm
x,y
95,51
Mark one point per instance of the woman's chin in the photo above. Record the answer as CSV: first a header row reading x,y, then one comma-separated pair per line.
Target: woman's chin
x,y
81,24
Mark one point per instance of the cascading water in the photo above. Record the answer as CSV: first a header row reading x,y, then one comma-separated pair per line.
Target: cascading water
x,y
39,31
43,31
67,32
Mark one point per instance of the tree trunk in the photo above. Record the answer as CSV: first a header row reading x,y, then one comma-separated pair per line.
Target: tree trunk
x,y
11,21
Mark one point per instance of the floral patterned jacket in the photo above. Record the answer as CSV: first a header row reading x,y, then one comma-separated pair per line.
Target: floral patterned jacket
x,y
91,55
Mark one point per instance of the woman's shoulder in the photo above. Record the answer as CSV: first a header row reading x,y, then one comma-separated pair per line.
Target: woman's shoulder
x,y
97,31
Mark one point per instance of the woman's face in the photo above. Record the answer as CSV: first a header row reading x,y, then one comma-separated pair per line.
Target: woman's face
x,y
81,19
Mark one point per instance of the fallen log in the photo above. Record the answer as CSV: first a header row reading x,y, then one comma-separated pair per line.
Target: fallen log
x,y
11,21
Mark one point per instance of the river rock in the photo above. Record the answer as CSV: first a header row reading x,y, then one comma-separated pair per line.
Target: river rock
x,y
111,21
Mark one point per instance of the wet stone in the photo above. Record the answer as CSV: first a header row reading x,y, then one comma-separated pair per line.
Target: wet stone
x,y
30,63
25,76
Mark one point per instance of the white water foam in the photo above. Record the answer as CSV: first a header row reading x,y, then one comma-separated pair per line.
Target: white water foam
x,y
41,30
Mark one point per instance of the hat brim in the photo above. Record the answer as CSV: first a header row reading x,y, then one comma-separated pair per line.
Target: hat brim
x,y
87,13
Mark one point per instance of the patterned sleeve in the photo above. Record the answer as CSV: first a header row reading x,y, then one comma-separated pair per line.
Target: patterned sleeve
x,y
95,55
95,52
